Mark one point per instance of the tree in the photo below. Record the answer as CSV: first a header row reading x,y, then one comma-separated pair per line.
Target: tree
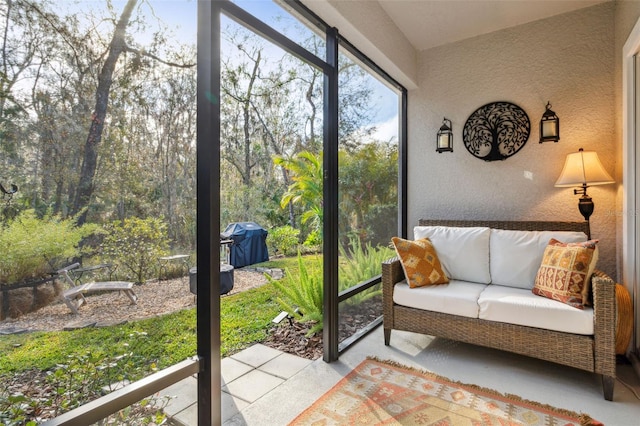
x,y
89,162
306,187
23,47
368,192
117,46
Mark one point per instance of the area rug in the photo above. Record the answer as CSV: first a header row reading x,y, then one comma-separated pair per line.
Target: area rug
x,y
384,393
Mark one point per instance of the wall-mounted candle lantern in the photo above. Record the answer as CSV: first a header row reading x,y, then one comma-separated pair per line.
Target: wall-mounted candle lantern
x,y
549,126
444,140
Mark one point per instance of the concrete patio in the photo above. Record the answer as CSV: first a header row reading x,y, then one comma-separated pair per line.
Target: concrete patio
x,y
247,376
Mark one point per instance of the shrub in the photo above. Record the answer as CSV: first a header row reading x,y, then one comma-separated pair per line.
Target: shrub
x,y
32,247
314,239
283,240
360,263
135,245
302,295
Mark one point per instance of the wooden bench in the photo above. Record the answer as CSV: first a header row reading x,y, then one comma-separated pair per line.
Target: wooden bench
x,y
74,297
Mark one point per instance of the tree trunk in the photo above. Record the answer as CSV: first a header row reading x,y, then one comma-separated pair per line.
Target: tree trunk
x,y
494,154
312,118
90,160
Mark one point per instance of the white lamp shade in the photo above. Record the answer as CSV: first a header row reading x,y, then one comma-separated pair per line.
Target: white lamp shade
x,y
583,167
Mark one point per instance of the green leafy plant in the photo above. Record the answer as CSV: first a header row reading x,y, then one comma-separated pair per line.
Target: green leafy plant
x,y
302,294
359,263
314,239
81,378
306,190
283,240
135,245
32,247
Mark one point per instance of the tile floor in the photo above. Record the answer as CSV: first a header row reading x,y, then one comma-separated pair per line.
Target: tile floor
x,y
246,377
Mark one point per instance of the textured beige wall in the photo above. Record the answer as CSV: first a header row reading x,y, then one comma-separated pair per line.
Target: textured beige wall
x,y
568,60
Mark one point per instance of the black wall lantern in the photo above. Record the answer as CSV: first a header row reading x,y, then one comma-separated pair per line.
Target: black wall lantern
x,y
549,126
445,137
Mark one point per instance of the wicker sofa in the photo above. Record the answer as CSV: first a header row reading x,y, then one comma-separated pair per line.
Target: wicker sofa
x,y
594,353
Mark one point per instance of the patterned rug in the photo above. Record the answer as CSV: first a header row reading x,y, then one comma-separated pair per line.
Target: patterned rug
x,y
384,393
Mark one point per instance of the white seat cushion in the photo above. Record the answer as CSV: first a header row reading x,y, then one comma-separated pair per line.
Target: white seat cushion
x,y
520,306
463,252
456,298
516,255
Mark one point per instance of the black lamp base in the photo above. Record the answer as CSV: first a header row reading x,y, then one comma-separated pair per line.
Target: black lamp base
x,y
585,205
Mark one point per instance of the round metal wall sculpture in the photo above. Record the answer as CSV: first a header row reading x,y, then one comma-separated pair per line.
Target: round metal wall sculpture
x,y
496,131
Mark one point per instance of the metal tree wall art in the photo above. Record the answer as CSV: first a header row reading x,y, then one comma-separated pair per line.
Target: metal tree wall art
x,y
496,131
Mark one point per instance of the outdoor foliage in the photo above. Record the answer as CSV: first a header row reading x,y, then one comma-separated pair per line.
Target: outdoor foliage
x,y
313,240
302,290
135,245
96,356
359,263
32,247
76,381
302,294
369,192
305,170
283,240
133,153
165,339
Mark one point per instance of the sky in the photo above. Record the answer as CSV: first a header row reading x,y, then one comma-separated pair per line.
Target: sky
x,y
181,17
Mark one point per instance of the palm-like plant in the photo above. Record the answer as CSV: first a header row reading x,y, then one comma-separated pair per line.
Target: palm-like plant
x,y
305,168
302,295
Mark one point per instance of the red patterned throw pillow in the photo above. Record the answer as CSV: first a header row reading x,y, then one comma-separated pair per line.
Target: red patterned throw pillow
x,y
565,271
420,262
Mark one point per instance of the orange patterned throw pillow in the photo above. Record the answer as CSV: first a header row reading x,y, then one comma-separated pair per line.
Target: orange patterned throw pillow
x,y
420,262
565,271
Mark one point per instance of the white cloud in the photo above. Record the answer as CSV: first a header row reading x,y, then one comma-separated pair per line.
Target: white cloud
x,y
387,130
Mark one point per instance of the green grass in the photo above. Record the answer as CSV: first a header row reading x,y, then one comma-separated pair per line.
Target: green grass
x,y
291,263
160,341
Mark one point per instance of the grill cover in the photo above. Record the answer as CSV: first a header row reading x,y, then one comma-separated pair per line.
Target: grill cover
x,y
249,243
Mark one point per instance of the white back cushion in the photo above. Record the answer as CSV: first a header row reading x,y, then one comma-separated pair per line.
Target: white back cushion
x,y
463,252
516,255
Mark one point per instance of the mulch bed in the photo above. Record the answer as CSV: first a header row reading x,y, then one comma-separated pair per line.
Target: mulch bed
x,y
291,337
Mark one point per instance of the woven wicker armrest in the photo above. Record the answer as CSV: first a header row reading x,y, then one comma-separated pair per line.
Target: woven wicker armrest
x,y
392,273
604,318
392,270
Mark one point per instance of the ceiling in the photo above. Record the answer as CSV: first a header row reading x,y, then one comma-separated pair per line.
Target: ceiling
x,y
431,23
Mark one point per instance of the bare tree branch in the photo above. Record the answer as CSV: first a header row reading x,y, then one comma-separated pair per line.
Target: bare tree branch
x,y
140,52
